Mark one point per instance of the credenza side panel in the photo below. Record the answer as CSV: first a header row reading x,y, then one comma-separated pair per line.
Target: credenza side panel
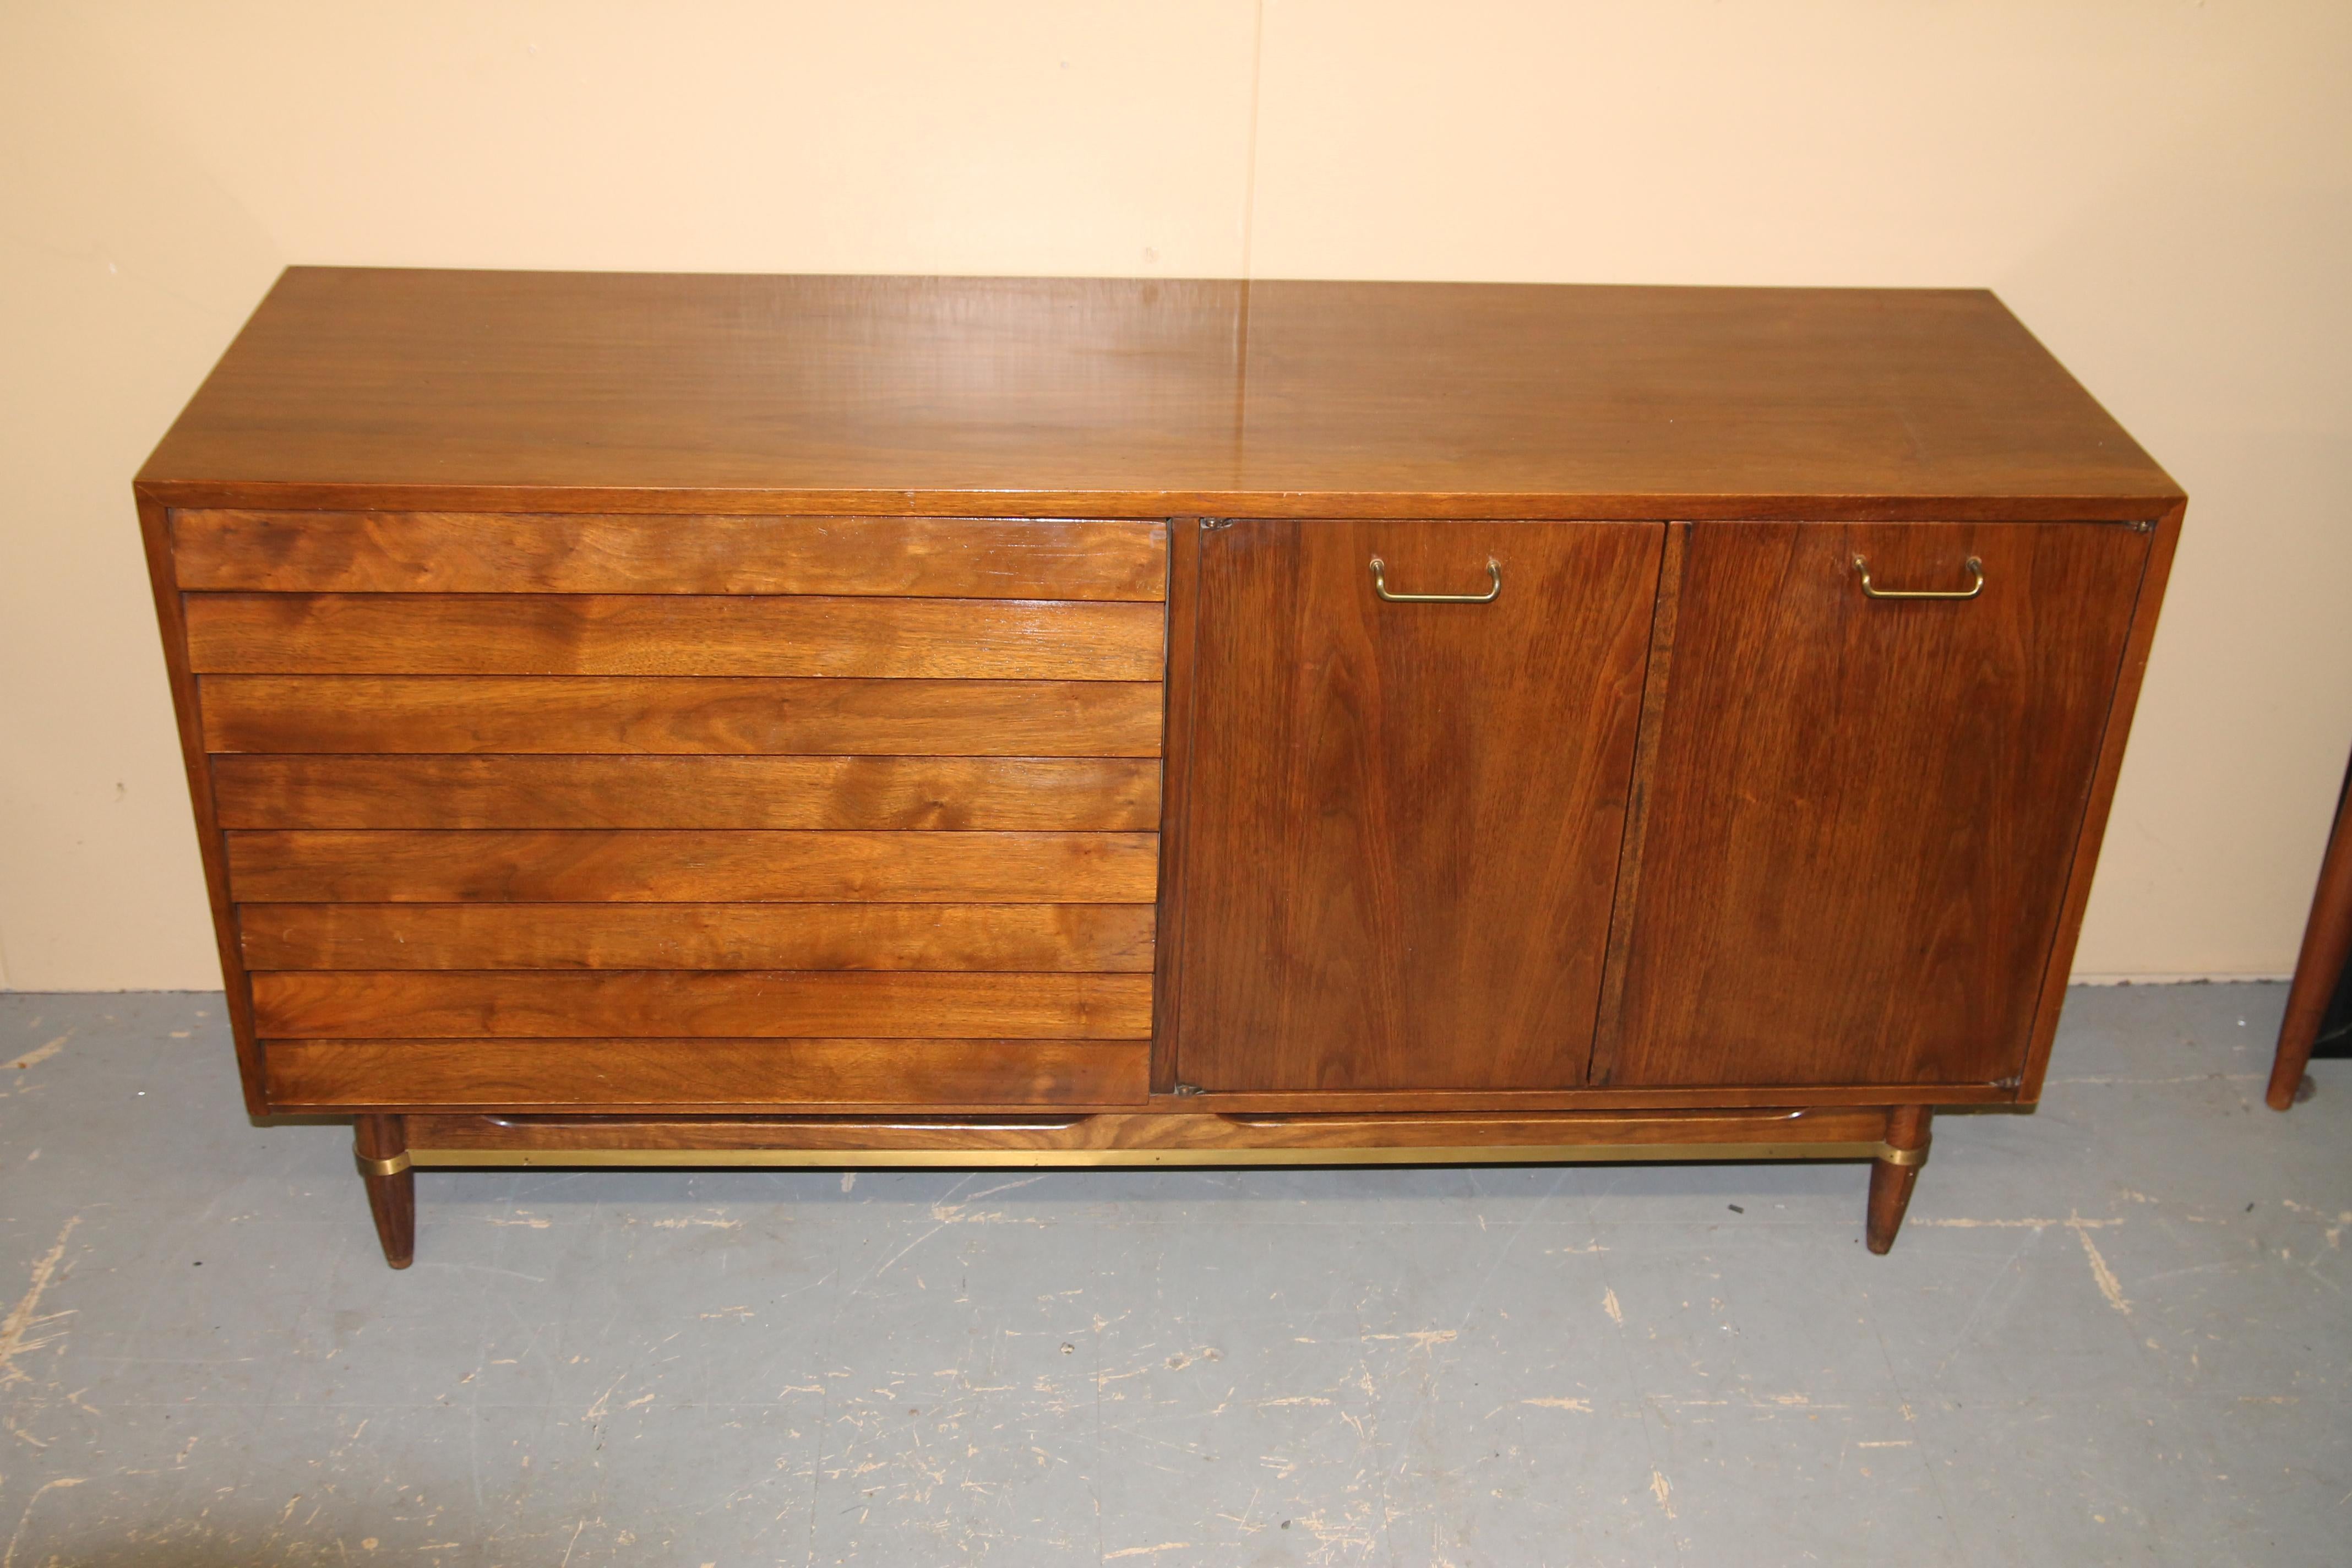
x,y
1864,810
2164,540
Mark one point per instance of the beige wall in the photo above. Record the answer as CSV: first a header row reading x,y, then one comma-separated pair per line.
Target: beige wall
x,y
2163,191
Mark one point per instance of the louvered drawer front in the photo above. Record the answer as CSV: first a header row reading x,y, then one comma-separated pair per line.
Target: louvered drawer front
x,y
686,813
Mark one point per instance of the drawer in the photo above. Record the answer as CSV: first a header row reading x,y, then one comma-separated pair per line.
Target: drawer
x,y
463,552
595,866
655,634
536,812
712,1076
658,1004
1009,938
1073,794
679,716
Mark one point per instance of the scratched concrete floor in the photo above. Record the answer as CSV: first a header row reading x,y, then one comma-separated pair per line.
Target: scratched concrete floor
x,y
2113,1331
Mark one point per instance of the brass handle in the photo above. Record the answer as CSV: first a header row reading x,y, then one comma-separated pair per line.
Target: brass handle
x,y
1494,575
1976,572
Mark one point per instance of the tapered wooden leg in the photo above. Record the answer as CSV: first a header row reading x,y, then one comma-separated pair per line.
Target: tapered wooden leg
x,y
2327,943
381,1144
1895,1172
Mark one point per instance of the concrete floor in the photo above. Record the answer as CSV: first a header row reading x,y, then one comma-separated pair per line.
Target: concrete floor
x,y
2113,1331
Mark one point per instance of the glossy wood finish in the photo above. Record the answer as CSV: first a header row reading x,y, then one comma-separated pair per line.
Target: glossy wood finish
x,y
1891,1181
1116,1138
654,1003
1405,820
701,699
678,715
910,794
2326,945
950,794
1657,676
156,537
655,634
589,865
2165,537
1351,1102
493,552
515,391
392,1197
1176,747
1038,938
607,1075
1861,808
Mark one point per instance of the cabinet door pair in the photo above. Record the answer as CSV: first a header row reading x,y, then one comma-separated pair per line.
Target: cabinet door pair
x,y
1862,753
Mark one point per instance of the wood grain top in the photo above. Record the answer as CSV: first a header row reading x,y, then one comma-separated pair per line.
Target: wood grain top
x,y
621,392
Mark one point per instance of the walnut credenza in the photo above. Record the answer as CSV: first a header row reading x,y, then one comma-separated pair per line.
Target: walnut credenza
x,y
800,721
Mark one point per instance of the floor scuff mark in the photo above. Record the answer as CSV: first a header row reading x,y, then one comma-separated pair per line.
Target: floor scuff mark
x,y
22,1316
2072,1222
8,1558
1146,1551
41,1053
2109,1286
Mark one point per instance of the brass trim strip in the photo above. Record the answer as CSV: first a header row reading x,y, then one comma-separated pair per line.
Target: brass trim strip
x,y
1484,1155
1894,1156
391,1167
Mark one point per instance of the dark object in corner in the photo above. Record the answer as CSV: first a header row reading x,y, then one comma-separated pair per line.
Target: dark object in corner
x,y
2335,1029
2318,1019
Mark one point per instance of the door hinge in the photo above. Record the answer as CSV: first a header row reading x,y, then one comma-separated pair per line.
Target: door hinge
x,y
1211,525
2014,1080
1190,1088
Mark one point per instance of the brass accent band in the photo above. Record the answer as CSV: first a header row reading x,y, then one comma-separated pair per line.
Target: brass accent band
x,y
391,1167
1542,1154
1894,1156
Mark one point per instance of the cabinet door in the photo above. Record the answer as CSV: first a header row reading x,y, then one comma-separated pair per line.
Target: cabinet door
x,y
1863,810
1403,818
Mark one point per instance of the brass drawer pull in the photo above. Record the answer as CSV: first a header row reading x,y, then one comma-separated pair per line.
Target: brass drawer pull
x,y
1494,575
1976,571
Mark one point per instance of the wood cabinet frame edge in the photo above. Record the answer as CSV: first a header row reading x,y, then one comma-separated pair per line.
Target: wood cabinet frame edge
x,y
1175,771
155,534
1144,506
2164,540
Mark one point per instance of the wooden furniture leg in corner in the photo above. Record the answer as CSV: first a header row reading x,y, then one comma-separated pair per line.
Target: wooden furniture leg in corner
x,y
2326,943
1896,1171
382,1145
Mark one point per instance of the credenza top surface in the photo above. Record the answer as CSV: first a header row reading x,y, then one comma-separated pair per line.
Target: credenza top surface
x,y
383,387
